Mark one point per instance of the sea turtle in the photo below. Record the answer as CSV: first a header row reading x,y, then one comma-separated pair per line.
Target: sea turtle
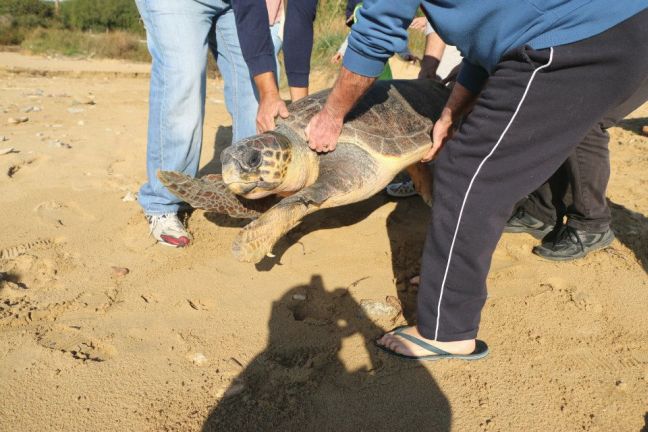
x,y
388,131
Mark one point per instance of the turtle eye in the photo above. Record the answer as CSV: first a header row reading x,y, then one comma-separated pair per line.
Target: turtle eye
x,y
254,159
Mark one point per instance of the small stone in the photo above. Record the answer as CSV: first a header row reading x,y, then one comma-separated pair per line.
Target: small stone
x,y
198,359
74,110
299,297
84,100
378,309
28,109
60,144
7,150
17,120
3,138
621,385
120,271
129,197
40,134
35,92
644,130
234,389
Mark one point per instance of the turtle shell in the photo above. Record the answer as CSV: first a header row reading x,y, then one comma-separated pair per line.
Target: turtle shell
x,y
394,118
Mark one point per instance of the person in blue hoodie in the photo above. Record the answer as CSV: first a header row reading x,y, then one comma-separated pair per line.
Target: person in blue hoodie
x,y
540,80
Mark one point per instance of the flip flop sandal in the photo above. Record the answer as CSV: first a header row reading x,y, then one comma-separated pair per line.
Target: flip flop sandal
x,y
481,349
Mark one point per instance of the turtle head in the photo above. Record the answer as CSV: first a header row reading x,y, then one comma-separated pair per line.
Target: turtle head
x,y
257,166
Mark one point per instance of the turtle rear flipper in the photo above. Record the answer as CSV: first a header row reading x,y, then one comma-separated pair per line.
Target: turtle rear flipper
x,y
211,193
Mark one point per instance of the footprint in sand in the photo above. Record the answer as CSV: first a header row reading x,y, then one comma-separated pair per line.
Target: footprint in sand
x,y
76,343
15,251
61,214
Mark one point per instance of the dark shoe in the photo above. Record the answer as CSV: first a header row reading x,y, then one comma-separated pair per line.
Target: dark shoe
x,y
522,222
570,244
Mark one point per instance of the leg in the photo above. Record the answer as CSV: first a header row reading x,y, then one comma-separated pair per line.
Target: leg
x,y
239,90
422,178
501,154
177,39
589,170
547,202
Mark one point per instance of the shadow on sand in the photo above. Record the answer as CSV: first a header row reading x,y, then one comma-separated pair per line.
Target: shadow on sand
x,y
631,228
634,124
321,372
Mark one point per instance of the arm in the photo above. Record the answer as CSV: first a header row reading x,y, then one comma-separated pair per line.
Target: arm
x,y
298,45
472,77
325,127
434,48
253,29
381,31
459,103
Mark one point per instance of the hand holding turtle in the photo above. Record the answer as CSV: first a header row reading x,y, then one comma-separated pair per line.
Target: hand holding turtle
x,y
460,102
325,127
323,131
441,132
270,103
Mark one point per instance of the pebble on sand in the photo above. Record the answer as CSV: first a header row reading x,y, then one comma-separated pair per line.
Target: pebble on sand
x,y
3,138
644,130
129,197
17,120
378,309
60,144
198,359
120,271
299,297
7,150
84,100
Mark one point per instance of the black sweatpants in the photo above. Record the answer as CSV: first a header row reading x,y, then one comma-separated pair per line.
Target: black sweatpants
x,y
533,112
577,189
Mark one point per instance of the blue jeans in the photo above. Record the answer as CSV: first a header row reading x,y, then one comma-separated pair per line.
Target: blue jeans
x,y
179,35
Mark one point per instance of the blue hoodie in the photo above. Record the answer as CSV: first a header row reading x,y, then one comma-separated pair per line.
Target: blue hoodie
x,y
482,30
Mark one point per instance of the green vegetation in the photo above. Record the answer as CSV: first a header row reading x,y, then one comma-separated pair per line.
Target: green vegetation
x,y
113,29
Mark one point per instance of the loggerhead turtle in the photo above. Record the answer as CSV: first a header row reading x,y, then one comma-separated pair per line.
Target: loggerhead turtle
x,y
388,131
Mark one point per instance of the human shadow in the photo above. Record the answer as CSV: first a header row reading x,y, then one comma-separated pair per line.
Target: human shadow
x,y
222,140
321,372
633,124
631,228
645,428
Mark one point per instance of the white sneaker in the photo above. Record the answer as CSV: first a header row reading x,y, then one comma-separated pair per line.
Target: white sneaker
x,y
168,230
401,190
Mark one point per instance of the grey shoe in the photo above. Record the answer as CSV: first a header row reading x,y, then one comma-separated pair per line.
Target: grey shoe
x,y
522,222
570,243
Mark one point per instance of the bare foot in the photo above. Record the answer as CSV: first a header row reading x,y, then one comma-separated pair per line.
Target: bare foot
x,y
402,346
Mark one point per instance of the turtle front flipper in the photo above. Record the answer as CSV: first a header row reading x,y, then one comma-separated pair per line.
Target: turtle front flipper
x,y
258,238
211,193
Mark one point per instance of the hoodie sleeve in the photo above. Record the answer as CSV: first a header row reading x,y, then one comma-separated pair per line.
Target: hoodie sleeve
x,y
472,77
253,28
298,40
380,32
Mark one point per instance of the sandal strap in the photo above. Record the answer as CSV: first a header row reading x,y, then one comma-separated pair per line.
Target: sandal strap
x,y
399,331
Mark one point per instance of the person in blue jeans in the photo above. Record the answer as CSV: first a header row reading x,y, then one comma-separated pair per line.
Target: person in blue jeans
x,y
179,35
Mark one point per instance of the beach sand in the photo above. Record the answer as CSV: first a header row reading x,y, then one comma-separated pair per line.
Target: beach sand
x,y
191,339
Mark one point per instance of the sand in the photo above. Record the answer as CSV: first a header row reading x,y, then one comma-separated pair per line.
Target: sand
x,y
191,339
